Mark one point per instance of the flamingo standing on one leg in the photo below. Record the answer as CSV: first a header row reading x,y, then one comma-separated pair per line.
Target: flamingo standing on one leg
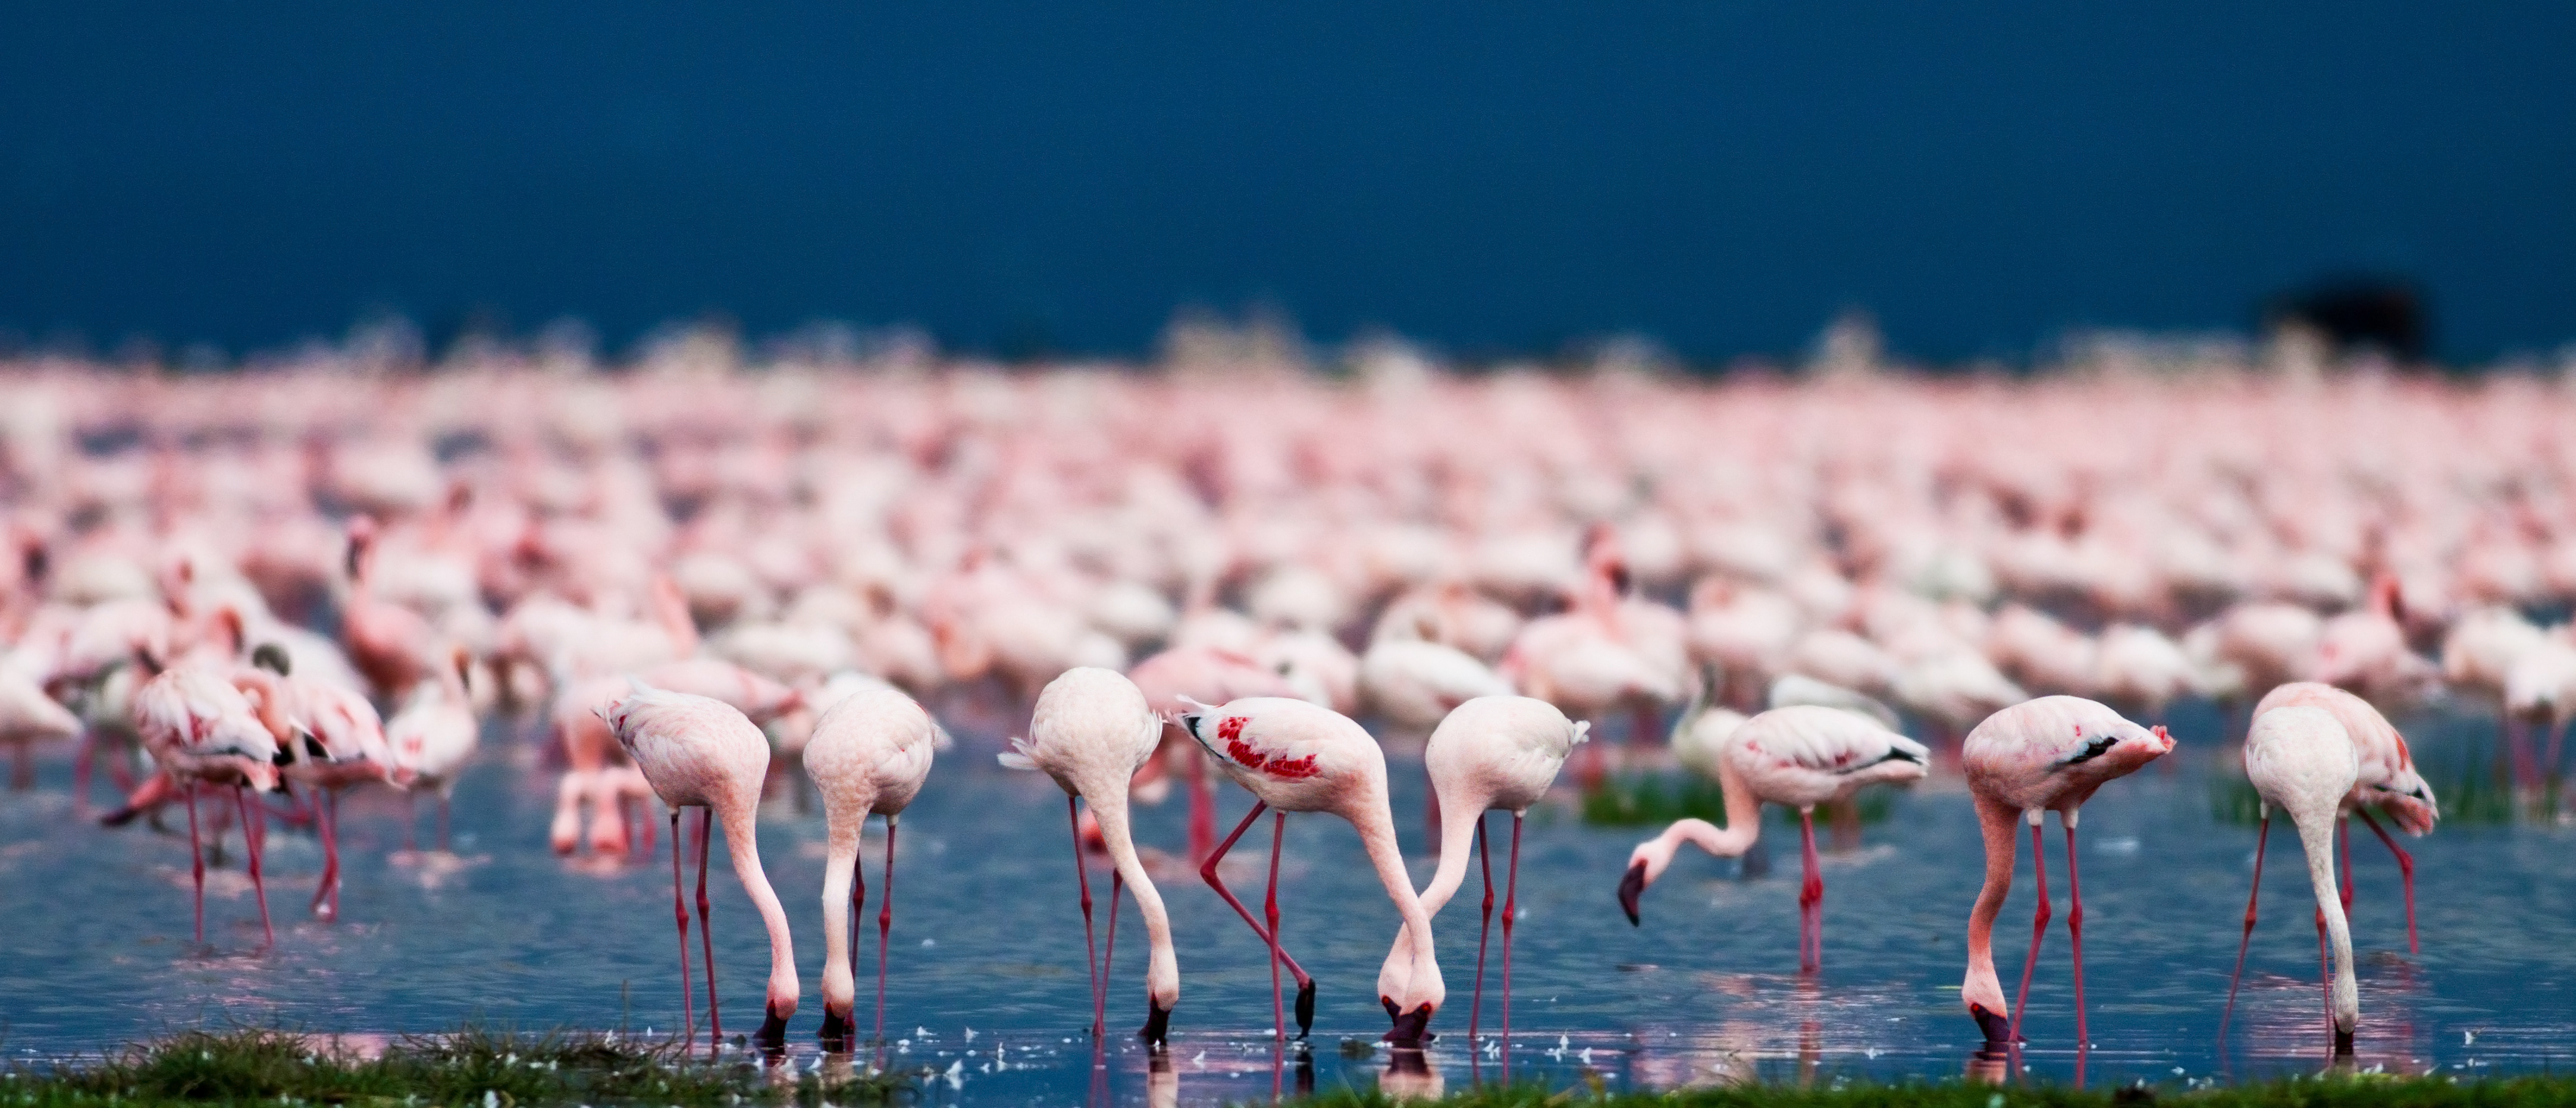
x,y
701,752
869,755
1798,757
1089,731
1299,757
2300,758
2048,754
1490,752
2388,780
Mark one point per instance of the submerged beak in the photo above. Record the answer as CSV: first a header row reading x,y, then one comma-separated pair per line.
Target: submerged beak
x,y
1631,886
1998,1030
1157,1031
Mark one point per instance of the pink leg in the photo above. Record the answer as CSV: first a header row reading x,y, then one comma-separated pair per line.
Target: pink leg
x,y
1511,909
1482,926
2261,834
1109,948
1202,806
197,862
1811,901
335,855
706,928
1090,950
2075,933
322,826
2038,930
250,849
2405,871
680,910
1270,913
1207,872
885,927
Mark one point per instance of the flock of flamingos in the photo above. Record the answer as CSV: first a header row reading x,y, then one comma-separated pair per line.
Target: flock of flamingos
x,y
245,594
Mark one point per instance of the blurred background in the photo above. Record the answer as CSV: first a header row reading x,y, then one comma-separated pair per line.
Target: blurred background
x,y
1033,180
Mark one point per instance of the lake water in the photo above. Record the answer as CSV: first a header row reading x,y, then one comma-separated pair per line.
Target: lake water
x,y
987,983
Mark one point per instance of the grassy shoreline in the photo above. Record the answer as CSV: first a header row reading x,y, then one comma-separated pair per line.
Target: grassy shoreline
x,y
486,1068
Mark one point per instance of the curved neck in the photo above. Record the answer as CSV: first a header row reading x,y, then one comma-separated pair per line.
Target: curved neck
x,y
1376,826
1982,987
745,848
1457,841
1162,969
1743,809
2316,840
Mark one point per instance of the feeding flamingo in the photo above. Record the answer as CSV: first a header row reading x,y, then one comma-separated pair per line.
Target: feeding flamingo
x,y
869,756
2043,755
700,752
2299,758
2387,779
1797,757
1299,757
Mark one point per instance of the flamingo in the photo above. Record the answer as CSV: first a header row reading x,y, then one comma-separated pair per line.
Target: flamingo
x,y
27,717
1798,757
331,739
2387,780
201,730
2042,755
869,756
1299,757
2300,758
1089,731
434,735
1209,673
1490,752
701,752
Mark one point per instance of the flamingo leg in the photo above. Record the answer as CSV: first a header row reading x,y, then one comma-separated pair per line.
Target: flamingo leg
x,y
2405,872
1090,951
197,862
322,900
1270,913
1202,805
1207,871
2075,932
1811,900
2262,833
1109,947
706,929
885,927
335,855
250,849
1511,909
858,911
680,911
1483,926
2038,931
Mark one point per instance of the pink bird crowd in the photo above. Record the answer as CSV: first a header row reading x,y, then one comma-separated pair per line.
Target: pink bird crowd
x,y
700,576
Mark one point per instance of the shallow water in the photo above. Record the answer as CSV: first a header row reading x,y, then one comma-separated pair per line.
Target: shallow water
x,y
987,982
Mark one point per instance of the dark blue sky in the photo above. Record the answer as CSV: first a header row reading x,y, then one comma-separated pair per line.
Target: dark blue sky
x,y
1724,177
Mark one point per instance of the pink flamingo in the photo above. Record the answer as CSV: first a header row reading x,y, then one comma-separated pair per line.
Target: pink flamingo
x,y
1797,757
2300,758
2387,779
702,752
1491,752
869,756
1089,731
331,739
1206,673
201,730
1299,757
2048,754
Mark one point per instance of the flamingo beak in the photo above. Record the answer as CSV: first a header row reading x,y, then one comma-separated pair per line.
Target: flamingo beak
x,y
1631,886
836,1033
1998,1030
1157,1032
773,1032
1412,1029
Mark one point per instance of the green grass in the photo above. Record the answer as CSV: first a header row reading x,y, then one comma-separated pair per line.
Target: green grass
x,y
2351,1091
474,1067
1656,799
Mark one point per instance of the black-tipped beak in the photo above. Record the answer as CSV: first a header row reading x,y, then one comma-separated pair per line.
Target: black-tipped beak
x,y
1412,1029
1305,1008
1631,886
1189,722
285,756
836,1033
1998,1030
2342,1043
773,1033
1157,1031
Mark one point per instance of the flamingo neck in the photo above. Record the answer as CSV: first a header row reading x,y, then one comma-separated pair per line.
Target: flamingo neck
x,y
740,841
1376,826
1983,989
1162,970
2316,840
